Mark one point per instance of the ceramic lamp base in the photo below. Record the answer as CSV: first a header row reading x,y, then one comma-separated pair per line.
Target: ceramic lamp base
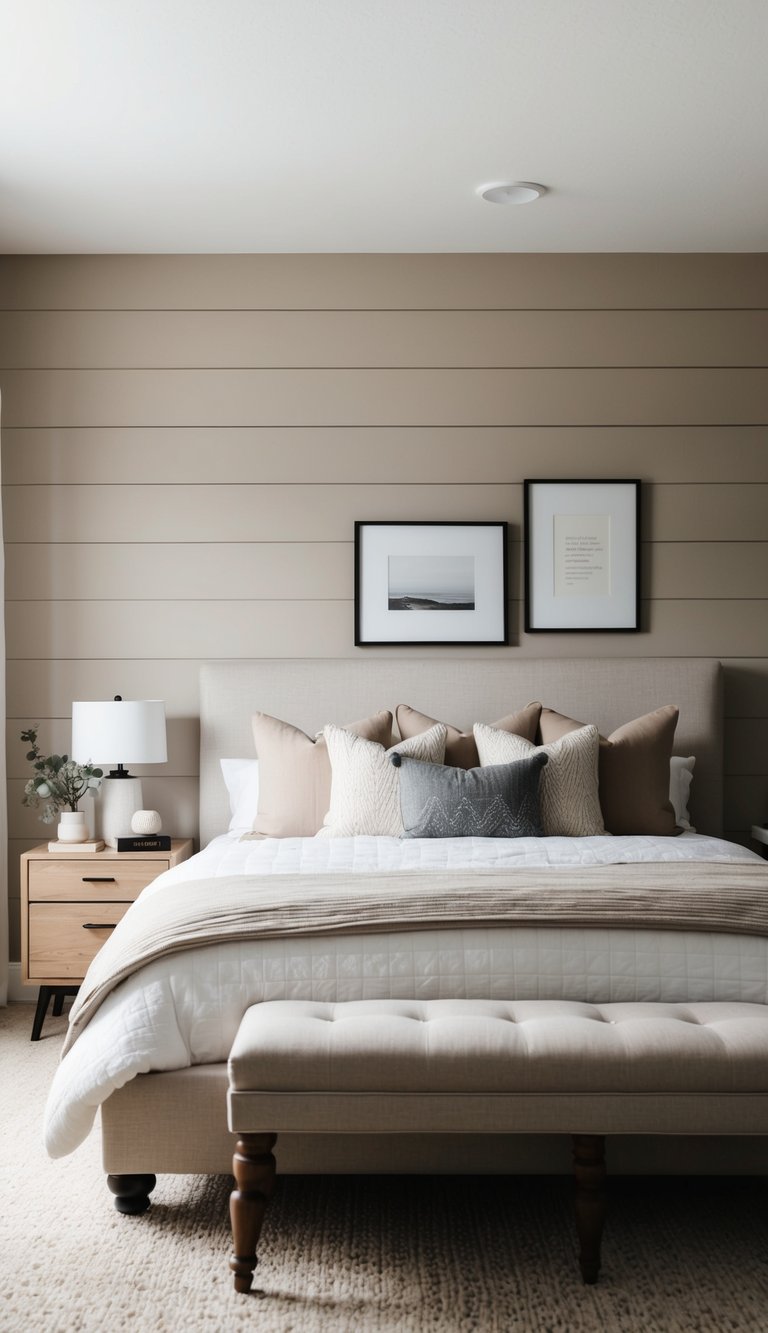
x,y
120,799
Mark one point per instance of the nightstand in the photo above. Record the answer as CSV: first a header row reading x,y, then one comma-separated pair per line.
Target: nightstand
x,y
69,905
759,834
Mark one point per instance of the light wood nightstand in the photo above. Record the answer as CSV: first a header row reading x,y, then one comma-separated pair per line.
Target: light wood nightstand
x,y
69,905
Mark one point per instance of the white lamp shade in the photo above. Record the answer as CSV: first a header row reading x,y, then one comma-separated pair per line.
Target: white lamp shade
x,y
128,731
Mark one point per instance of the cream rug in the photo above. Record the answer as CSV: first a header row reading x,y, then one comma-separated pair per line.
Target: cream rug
x,y
389,1255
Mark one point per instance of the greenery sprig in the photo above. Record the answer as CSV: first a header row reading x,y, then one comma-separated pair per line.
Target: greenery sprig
x,y
58,782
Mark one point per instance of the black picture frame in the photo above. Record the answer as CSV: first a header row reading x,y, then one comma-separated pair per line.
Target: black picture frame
x,y
582,555
432,620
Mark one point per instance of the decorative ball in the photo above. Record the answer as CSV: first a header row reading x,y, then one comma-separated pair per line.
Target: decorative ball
x,y
145,822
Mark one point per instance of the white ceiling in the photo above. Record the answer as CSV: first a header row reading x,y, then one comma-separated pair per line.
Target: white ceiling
x,y
367,125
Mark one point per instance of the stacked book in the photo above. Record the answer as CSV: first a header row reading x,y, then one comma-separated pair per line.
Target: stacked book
x,y
93,845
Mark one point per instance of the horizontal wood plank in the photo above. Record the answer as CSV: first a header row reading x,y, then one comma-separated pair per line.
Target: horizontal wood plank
x,y
325,629
273,570
45,688
380,281
384,397
706,569
746,687
378,454
176,799
175,339
746,801
746,747
119,570
55,737
302,513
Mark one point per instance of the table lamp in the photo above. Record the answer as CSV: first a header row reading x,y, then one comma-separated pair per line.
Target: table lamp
x,y
126,731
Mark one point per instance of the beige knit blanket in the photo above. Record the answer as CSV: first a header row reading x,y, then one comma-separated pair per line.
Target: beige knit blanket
x,y
721,896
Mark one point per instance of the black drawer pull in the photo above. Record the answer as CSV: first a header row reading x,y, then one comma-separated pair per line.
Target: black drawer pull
x,y
99,879
99,925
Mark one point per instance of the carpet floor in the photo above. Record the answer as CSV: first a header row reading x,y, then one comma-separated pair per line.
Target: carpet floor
x,y
357,1255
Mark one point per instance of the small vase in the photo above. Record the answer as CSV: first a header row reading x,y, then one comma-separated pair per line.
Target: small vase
x,y
72,826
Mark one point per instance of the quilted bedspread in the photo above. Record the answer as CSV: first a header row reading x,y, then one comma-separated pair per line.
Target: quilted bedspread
x,y
474,930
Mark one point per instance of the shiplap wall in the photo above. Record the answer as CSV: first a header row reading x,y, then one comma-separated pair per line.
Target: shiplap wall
x,y
188,439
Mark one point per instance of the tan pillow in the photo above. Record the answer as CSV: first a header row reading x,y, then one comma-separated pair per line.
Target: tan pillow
x,y
568,795
365,792
460,746
295,774
634,770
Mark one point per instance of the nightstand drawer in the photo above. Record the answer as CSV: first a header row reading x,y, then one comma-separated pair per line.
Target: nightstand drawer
x,y
64,937
92,878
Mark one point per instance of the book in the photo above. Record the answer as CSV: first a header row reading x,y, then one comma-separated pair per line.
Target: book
x,y
92,845
151,842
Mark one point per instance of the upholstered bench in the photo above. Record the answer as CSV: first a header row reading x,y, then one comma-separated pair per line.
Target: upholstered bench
x,y
488,1066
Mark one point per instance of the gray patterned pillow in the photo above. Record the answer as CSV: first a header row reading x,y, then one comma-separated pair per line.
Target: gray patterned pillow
x,y
438,801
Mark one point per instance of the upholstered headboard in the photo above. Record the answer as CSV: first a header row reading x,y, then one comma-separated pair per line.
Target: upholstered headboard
x,y
310,693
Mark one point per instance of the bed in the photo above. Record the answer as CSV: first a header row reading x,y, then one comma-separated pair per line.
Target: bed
x,y
158,1044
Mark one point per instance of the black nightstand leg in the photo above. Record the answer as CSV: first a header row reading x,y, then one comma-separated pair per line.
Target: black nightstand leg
x,y
43,999
59,994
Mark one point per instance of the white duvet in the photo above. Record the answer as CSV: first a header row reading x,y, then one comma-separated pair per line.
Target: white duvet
x,y
186,1009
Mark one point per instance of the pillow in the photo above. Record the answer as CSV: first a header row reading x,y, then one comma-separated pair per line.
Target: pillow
x,y
295,774
439,801
241,778
633,768
569,798
365,792
680,779
460,747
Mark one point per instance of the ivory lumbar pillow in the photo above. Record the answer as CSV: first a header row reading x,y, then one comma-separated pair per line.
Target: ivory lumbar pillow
x,y
365,787
568,794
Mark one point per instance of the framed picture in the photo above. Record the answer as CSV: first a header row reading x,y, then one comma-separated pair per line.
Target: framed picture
x,y
430,583
582,556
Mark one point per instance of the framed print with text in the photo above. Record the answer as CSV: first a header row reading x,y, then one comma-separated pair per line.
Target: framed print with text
x,y
430,583
582,556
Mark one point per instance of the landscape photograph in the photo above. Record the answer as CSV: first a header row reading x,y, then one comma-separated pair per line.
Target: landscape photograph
x,y
431,583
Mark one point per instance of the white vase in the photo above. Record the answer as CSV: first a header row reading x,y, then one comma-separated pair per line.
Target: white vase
x,y
72,826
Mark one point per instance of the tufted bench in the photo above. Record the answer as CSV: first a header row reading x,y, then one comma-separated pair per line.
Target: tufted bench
x,y
488,1066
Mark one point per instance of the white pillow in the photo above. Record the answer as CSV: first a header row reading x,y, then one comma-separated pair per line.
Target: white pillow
x,y
365,785
680,779
241,777
568,789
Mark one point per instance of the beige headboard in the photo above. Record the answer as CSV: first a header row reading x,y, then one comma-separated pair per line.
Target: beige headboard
x,y
310,693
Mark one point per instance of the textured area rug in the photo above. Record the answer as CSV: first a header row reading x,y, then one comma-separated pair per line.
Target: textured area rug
x,y
349,1255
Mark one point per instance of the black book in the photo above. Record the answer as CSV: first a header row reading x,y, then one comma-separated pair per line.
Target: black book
x,y
153,842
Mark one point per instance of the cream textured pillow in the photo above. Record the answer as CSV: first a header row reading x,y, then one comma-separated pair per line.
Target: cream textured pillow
x,y
365,788
295,774
568,792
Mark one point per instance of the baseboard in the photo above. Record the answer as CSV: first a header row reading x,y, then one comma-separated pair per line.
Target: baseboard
x,y
17,991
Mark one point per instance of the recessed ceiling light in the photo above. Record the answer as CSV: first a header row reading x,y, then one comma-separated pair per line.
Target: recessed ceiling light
x,y
517,192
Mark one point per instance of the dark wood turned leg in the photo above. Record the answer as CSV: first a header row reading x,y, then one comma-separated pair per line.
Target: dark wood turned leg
x,y
253,1167
43,1000
589,1170
131,1193
58,1001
